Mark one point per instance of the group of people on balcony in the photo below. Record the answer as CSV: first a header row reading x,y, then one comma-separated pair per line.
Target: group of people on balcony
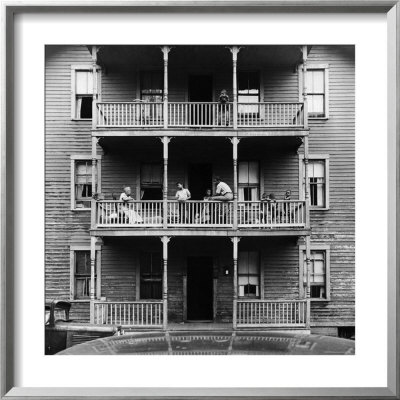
x,y
215,209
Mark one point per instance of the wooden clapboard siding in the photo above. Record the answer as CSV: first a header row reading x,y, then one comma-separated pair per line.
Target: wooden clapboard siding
x,y
280,264
119,85
63,138
336,226
280,84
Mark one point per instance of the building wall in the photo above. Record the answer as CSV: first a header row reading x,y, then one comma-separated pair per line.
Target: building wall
x,y
280,171
336,226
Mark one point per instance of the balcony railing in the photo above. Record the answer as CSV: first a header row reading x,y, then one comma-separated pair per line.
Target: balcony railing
x,y
199,115
129,313
199,214
277,115
281,213
137,213
282,313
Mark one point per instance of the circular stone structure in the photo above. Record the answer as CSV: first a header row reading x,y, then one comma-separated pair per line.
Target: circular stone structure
x,y
213,343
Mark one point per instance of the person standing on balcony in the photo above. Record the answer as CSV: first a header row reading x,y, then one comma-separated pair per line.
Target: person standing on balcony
x,y
223,191
181,196
222,108
206,208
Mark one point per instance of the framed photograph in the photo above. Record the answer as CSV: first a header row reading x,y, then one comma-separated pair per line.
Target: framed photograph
x,y
200,200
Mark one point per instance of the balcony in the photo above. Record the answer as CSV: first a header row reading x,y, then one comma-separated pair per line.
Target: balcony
x,y
284,214
177,115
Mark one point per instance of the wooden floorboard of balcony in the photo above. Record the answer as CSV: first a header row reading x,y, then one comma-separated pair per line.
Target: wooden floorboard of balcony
x,y
223,232
218,132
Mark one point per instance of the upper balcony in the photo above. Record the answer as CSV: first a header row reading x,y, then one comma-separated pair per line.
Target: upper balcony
x,y
212,115
176,91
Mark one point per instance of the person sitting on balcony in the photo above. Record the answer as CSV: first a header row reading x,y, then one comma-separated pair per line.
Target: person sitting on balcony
x,y
182,195
130,216
222,108
223,191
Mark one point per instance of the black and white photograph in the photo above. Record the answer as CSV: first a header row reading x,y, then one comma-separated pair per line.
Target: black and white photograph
x,y
200,199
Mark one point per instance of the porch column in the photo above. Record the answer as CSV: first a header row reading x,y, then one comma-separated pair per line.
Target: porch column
x,y
308,277
92,289
165,50
165,140
94,81
235,50
235,141
165,240
94,182
235,241
306,182
305,111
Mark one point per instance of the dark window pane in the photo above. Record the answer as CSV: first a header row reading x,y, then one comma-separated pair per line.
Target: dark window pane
x,y
82,262
86,107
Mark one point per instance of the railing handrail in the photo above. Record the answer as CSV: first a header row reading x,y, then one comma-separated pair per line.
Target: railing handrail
x,y
129,201
199,102
139,103
271,301
273,102
149,301
271,201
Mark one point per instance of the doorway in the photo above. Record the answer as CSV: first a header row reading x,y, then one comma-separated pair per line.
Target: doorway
x,y
200,91
200,289
199,180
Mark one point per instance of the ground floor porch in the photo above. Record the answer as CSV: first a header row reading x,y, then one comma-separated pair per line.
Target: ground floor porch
x,y
188,282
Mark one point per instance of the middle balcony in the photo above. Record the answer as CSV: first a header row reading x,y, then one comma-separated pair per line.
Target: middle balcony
x,y
198,185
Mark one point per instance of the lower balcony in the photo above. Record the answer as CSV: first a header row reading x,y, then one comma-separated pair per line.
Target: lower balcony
x,y
249,314
200,214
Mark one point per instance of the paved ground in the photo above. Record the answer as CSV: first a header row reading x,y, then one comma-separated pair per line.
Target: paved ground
x,y
214,343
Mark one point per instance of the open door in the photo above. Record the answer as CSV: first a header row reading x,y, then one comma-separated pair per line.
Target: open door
x,y
200,179
200,91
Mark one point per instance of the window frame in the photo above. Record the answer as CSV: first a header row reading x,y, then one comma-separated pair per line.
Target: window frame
x,y
260,276
316,247
74,69
243,185
312,66
316,157
83,157
140,82
72,250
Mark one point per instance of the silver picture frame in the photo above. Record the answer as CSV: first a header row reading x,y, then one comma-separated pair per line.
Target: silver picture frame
x,y
10,9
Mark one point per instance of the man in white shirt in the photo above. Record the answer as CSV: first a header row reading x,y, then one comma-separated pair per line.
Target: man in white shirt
x,y
182,195
223,191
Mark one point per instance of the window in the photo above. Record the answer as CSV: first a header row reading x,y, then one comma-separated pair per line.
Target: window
x,y
151,86
319,272
249,181
82,91
82,277
150,276
151,181
81,181
249,274
317,85
248,92
318,176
